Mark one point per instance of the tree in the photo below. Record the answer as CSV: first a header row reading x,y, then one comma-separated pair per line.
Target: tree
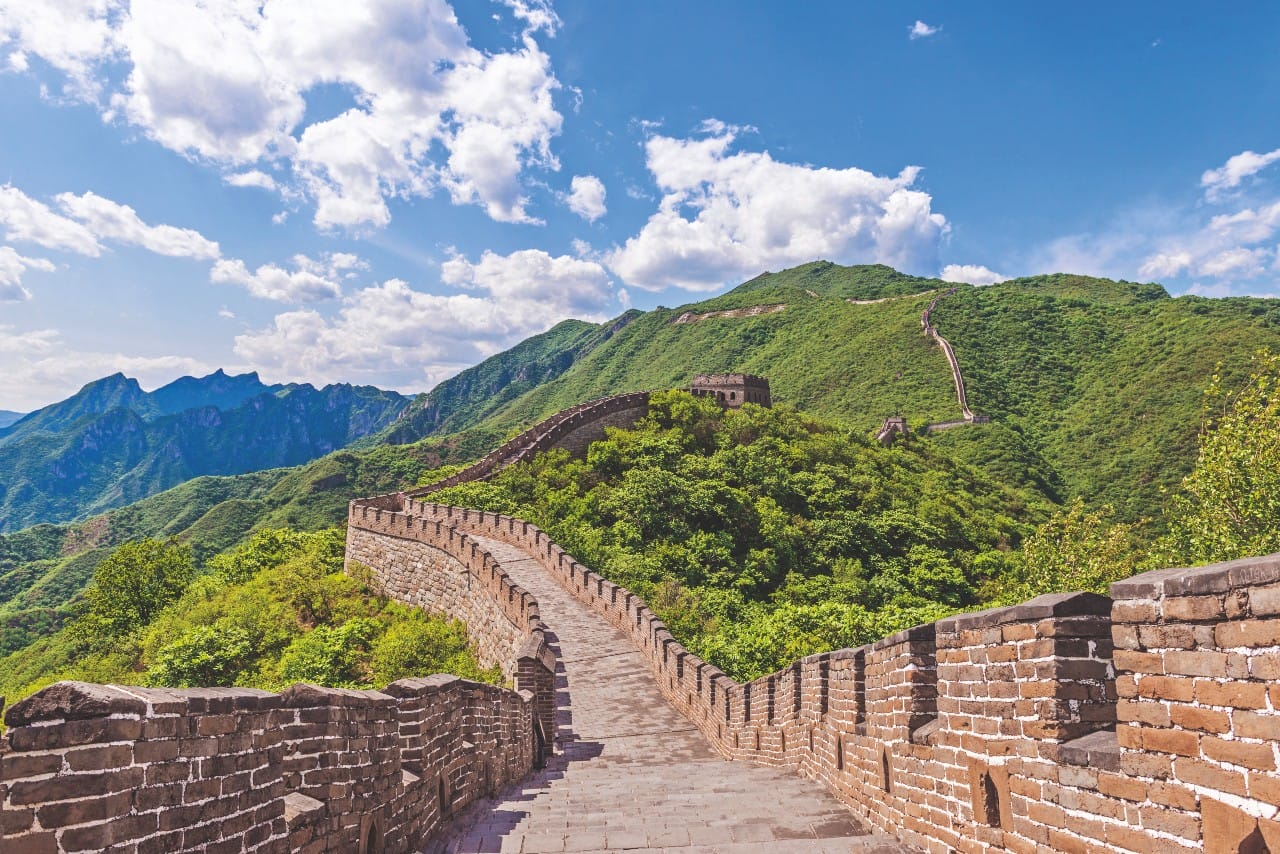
x,y
1074,550
1230,505
130,587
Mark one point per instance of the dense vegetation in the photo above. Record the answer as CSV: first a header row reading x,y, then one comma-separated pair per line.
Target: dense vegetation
x,y
276,610
1095,387
762,535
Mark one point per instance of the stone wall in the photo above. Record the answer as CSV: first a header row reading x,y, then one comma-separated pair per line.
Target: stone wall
x,y
1015,729
573,429
96,768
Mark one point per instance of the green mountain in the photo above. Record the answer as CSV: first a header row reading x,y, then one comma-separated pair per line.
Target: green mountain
x,y
472,395
112,443
1094,388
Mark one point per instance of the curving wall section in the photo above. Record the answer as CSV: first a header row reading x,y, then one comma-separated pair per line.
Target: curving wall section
x,y
573,429
1068,723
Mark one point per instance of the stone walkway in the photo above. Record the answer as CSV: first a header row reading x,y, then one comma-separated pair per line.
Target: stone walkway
x,y
631,774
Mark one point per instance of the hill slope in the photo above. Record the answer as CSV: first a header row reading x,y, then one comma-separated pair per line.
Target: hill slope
x,y
113,443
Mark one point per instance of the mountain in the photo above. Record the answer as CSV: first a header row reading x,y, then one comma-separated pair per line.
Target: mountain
x,y
473,394
112,443
7,417
218,390
1094,388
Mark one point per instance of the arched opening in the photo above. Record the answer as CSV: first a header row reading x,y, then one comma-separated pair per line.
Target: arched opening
x,y
371,837
839,753
784,741
811,739
443,795
733,395
886,778
757,741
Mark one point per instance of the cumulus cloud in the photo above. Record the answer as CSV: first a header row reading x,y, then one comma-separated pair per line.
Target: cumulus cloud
x,y
110,220
921,30
251,178
228,83
27,220
86,219
73,36
725,215
586,197
409,339
971,274
309,281
1231,174
12,266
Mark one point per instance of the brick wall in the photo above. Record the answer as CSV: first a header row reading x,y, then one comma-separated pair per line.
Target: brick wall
x,y
96,767
1067,723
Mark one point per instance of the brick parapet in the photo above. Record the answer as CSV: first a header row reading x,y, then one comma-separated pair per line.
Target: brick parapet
x,y
995,730
99,767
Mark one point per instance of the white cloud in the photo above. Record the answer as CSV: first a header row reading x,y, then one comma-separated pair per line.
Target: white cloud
x,y
251,178
12,266
396,336
38,367
310,282
1231,174
971,274
74,36
110,220
586,197
229,82
725,216
29,221
921,30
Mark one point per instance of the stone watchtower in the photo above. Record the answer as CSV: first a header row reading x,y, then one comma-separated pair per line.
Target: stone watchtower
x,y
732,390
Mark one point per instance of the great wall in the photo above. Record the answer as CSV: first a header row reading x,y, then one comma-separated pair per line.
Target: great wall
x,y
1147,721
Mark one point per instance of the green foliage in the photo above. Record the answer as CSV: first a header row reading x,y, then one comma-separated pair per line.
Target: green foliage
x,y
1076,549
274,610
760,535
130,587
1229,506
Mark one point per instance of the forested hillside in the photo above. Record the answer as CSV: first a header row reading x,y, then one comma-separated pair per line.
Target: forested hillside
x,y
1095,389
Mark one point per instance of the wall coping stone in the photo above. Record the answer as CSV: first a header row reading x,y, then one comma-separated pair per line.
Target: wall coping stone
x,y
306,695
1099,750
1214,578
70,700
1079,604
922,632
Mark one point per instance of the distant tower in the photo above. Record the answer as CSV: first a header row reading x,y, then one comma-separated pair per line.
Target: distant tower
x,y
732,390
893,427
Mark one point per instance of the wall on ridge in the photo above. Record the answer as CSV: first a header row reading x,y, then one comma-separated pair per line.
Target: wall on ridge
x,y
97,767
1014,729
572,429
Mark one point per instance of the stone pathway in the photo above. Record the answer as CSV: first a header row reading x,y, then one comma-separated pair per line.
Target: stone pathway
x,y
631,774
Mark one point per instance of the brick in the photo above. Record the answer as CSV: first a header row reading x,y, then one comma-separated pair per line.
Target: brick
x,y
1201,719
1180,742
1194,608
1248,754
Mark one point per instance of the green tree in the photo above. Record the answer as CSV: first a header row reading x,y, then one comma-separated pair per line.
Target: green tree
x,y
1076,549
328,655
133,585
204,656
1230,503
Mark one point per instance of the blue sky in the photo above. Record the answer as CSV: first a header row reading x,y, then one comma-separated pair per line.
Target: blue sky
x,y
388,191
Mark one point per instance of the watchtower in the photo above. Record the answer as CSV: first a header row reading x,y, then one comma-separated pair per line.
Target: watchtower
x,y
732,390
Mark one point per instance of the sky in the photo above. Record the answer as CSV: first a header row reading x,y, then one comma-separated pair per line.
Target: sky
x,y
386,192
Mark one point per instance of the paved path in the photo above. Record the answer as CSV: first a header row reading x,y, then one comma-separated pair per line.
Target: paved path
x,y
632,774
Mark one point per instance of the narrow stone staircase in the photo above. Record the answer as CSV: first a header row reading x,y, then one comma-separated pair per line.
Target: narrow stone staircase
x,y
631,774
